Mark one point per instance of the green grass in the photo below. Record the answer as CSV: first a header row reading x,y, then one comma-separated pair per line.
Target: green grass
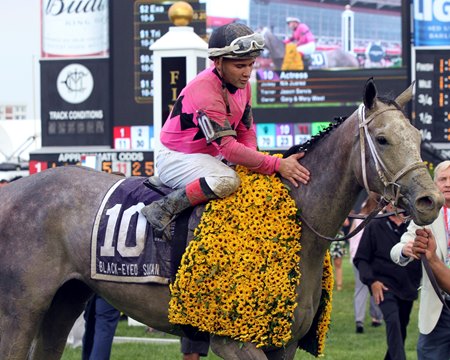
x,y
342,343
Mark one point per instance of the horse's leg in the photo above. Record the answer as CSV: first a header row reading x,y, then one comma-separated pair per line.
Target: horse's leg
x,y
20,309
232,350
16,335
287,353
66,307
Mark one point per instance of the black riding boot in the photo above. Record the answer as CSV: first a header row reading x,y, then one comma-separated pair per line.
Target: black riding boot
x,y
162,212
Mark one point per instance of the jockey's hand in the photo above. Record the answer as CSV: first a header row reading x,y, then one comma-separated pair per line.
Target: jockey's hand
x,y
291,170
407,250
378,289
424,243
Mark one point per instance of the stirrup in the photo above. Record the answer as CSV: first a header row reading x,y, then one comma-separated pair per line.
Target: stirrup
x,y
165,233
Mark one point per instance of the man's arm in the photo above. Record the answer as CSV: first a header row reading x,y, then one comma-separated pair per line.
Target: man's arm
x,y
363,258
363,261
425,244
401,253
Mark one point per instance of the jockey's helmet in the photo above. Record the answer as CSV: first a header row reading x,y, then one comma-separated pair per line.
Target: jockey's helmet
x,y
235,41
292,18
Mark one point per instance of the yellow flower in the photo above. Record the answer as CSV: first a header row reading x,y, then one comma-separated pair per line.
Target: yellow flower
x,y
239,274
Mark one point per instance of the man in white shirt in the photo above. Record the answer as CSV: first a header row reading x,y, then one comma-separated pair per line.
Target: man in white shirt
x,y
434,319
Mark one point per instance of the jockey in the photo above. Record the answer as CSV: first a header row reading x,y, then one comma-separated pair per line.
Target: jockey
x,y
211,122
301,36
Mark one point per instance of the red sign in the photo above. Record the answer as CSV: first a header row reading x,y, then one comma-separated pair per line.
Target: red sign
x,y
37,166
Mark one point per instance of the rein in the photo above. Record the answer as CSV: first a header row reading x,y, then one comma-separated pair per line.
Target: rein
x,y
356,230
391,187
433,280
379,216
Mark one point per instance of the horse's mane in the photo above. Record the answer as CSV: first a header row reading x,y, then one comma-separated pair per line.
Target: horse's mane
x,y
315,139
306,146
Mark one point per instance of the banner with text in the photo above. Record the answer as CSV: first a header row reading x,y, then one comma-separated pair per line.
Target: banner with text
x,y
75,102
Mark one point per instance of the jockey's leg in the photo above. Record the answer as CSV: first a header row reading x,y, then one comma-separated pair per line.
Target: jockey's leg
x,y
305,52
162,212
197,178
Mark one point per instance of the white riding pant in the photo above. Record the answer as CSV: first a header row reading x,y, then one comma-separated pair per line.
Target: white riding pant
x,y
176,170
307,49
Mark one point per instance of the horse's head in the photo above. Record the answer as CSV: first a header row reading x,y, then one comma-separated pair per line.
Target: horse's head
x,y
390,156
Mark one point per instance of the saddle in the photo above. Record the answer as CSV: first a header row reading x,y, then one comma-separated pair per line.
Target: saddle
x,y
124,246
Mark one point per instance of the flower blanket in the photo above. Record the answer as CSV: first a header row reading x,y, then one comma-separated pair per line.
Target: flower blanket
x,y
239,274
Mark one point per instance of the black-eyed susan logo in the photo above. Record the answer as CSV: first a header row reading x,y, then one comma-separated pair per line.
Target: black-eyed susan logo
x,y
75,83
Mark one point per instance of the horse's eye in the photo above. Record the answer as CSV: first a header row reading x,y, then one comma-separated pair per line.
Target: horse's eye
x,y
382,140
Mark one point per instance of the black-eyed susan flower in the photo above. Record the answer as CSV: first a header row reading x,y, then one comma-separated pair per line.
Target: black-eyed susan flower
x,y
239,275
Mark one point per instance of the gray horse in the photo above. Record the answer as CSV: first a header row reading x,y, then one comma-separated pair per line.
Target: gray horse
x,y
330,59
46,223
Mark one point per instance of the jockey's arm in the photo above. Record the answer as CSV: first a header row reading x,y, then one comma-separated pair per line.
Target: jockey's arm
x,y
238,153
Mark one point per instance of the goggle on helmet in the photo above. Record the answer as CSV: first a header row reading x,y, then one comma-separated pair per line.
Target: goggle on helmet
x,y
249,45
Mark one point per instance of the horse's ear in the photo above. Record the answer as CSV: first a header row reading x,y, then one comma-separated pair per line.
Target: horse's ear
x,y
370,93
406,95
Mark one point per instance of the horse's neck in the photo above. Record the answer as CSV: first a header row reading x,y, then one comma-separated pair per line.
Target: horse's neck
x,y
274,45
333,188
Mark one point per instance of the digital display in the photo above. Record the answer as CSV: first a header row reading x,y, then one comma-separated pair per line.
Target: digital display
x,y
431,105
287,100
305,80
328,34
305,89
130,163
317,96
137,24
150,23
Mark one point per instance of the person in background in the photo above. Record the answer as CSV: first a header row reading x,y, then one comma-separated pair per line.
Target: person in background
x,y
301,36
434,318
101,323
212,121
393,287
337,252
193,349
361,290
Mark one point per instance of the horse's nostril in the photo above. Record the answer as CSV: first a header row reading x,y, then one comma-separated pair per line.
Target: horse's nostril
x,y
425,203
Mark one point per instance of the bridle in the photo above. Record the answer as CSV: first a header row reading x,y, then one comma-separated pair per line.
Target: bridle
x,y
391,188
